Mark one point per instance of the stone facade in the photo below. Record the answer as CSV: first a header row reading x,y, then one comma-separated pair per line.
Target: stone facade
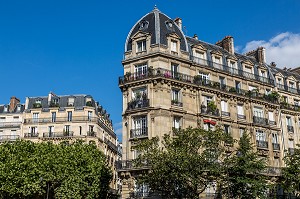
x,y
173,81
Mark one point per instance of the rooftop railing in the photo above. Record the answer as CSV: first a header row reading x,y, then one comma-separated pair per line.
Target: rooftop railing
x,y
61,119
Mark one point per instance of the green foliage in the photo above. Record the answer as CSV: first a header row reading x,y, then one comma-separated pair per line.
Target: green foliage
x,y
77,170
211,106
291,173
243,170
181,166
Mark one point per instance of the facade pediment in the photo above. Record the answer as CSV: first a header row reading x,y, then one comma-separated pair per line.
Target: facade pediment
x,y
217,52
199,47
174,35
139,35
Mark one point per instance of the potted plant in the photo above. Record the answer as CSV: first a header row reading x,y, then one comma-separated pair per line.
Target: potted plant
x,y
127,76
174,101
89,103
232,90
197,79
150,71
211,106
37,105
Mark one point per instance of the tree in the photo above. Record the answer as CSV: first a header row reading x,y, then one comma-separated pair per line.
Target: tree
x,y
291,173
37,170
183,165
243,172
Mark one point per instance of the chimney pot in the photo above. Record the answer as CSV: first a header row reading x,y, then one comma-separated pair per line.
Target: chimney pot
x,y
13,103
195,36
178,21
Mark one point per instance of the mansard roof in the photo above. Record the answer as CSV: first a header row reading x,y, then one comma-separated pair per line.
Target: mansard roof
x,y
159,26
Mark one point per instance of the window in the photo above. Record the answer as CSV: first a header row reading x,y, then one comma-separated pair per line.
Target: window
x,y
141,46
199,54
91,128
233,67
80,130
238,86
140,70
38,101
296,102
285,99
33,130
142,190
291,144
204,77
173,46
289,121
260,135
292,84
242,131
18,108
258,112
206,100
139,93
271,116
248,69
90,115
274,138
50,129
177,122
217,60
5,108
53,116
139,125
263,73
240,110
268,91
251,88
208,126
71,101
222,81
35,117
276,162
55,101
175,96
174,70
67,128
224,106
279,81
69,116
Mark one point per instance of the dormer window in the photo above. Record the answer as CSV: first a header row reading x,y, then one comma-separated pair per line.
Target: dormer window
x,y
5,108
18,107
217,60
141,46
263,73
248,69
199,54
38,101
173,46
71,101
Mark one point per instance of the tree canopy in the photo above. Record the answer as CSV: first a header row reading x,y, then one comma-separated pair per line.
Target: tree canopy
x,y
178,169
35,170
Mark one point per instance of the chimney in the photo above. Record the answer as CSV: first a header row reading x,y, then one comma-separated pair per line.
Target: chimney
x,y
195,36
13,103
178,21
227,44
259,54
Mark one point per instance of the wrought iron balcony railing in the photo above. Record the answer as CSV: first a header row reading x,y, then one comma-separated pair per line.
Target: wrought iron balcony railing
x,y
226,114
9,124
272,122
61,119
137,133
260,120
276,146
8,138
241,117
58,134
138,103
206,111
31,135
176,103
288,88
111,145
129,164
261,144
292,107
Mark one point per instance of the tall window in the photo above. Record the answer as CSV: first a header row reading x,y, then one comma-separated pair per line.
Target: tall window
x,y
177,122
204,77
141,70
222,81
71,101
260,135
139,124
53,116
67,128
289,121
175,96
224,106
271,116
69,116
258,112
174,70
35,117
240,110
90,115
274,138
291,144
173,46
206,100
33,130
141,46
242,131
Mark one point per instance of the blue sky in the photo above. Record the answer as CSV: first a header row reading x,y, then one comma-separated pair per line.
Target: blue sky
x,y
76,47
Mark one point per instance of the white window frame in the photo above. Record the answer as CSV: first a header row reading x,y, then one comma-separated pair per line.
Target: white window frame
x,y
141,69
261,136
141,45
174,45
177,122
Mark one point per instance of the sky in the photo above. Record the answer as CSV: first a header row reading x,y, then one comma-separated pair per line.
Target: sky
x,y
76,47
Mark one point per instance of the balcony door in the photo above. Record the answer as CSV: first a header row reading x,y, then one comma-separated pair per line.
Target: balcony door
x,y
258,112
140,125
140,71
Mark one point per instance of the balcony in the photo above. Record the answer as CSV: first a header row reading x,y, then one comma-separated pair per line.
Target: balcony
x,y
129,164
139,133
262,144
58,134
290,129
287,88
205,111
111,145
272,123
241,117
31,135
292,107
176,103
276,146
8,138
260,120
60,119
91,134
9,124
225,114
140,103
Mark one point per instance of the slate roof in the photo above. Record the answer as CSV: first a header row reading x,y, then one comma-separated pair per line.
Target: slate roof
x,y
156,23
14,111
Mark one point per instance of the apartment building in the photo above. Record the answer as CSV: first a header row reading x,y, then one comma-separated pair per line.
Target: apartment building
x,y
175,81
10,120
55,118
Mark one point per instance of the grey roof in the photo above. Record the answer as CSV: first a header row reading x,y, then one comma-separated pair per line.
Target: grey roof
x,y
285,73
156,23
13,111
79,101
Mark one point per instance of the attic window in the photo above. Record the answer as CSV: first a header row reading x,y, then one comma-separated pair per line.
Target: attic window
x,y
18,108
38,101
5,108
71,101
143,25
170,25
173,46
141,46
